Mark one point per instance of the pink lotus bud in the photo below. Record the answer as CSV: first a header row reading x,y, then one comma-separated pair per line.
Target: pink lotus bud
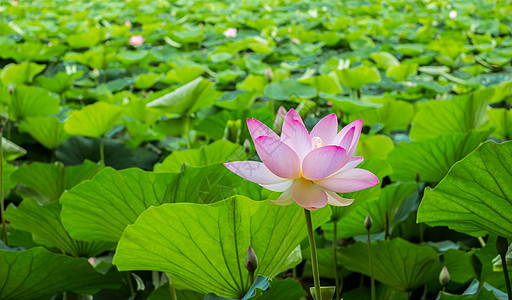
x,y
278,122
230,32
136,40
368,222
444,276
127,23
453,14
269,75
295,41
251,261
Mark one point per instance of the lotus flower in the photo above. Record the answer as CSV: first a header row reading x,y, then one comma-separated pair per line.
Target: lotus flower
x,y
136,40
309,168
230,32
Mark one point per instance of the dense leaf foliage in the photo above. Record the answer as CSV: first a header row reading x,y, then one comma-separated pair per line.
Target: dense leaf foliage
x,y
117,116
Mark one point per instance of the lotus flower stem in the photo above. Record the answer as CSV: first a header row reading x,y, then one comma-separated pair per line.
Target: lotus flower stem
x,y
314,260
335,259
102,151
187,130
368,225
502,247
386,226
173,292
2,209
130,284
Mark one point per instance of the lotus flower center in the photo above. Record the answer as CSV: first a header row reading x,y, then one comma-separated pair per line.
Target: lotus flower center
x,y
317,142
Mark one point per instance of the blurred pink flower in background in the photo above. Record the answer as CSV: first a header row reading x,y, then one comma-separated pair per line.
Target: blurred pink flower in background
x,y
136,40
127,23
453,14
295,41
230,32
308,168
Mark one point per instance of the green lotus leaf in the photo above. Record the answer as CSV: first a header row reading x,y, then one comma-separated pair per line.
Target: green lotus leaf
x,y
460,115
176,242
44,223
188,98
48,131
20,73
289,88
27,275
475,196
358,77
403,71
94,120
29,101
59,83
431,159
49,181
501,119
386,207
216,152
385,60
323,83
394,257
387,114
11,151
101,208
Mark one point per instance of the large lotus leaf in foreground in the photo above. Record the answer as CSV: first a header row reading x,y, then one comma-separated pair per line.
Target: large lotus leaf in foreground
x,y
101,208
476,195
203,247
39,274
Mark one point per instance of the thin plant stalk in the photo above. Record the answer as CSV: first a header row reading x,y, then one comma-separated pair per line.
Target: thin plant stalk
x,y
335,259
501,246
370,256
314,260
130,284
102,151
386,226
187,130
482,242
173,292
251,277
2,209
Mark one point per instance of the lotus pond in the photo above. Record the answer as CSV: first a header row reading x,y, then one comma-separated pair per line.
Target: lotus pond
x,y
255,149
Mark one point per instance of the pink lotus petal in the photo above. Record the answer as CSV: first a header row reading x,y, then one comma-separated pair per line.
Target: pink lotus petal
x,y
326,129
334,199
290,116
254,171
322,162
349,136
297,137
279,187
308,195
257,129
285,199
349,181
279,158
